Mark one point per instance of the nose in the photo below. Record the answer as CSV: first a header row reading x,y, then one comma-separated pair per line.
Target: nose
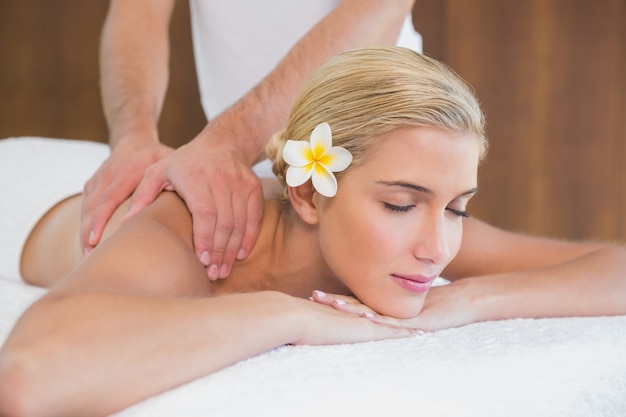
x,y
432,241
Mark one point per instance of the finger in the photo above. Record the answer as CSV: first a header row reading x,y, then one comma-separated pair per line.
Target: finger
x,y
87,233
213,223
345,304
91,193
391,331
328,299
390,321
200,203
355,308
95,223
253,222
369,331
233,245
99,203
152,183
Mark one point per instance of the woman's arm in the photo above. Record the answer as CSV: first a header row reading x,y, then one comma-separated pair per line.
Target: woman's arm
x,y
96,353
511,275
501,275
135,319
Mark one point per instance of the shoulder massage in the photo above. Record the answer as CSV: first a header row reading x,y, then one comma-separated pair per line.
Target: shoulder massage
x,y
374,173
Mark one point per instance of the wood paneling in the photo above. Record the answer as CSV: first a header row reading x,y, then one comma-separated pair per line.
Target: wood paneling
x,y
49,72
48,76
550,76
182,117
623,107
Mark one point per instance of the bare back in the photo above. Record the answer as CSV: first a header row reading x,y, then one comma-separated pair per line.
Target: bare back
x,y
53,249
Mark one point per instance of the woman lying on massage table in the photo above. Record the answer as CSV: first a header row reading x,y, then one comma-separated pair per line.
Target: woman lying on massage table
x,y
407,137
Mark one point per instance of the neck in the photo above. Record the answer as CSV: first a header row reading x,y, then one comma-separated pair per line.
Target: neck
x,y
286,258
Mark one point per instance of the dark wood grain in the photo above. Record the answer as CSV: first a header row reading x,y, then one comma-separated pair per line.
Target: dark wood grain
x,y
49,73
550,76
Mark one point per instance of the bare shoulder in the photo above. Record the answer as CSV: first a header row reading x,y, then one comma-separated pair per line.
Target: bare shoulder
x,y
486,249
150,254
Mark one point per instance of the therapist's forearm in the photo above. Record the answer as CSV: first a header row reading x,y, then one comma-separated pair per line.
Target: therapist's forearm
x,y
251,121
134,53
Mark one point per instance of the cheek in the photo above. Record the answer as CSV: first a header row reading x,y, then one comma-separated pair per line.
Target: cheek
x,y
362,248
354,243
454,237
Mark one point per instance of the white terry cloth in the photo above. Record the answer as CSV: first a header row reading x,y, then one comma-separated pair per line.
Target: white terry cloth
x,y
570,367
35,174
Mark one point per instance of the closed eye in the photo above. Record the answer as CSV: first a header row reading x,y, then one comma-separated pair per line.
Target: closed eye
x,y
398,209
458,213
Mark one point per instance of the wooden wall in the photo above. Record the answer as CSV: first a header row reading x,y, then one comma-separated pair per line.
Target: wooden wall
x,y
551,75
49,72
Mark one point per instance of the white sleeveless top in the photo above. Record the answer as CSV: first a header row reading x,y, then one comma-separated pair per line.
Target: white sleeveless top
x,y
238,42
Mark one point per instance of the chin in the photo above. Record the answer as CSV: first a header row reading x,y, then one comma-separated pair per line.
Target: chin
x,y
399,309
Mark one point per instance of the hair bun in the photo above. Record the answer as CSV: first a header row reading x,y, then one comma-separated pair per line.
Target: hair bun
x,y
274,152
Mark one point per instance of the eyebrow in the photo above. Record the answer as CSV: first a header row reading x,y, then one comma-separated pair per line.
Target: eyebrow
x,y
420,188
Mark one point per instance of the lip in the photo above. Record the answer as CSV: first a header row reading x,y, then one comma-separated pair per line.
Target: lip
x,y
414,283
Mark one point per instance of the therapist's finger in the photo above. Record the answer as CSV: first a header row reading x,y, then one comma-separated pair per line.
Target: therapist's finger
x,y
150,186
200,202
254,218
238,226
213,224
100,199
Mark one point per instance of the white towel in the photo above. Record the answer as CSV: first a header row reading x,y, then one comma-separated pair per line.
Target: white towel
x,y
550,367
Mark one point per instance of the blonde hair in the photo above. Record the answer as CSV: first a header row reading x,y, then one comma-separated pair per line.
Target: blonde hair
x,y
366,92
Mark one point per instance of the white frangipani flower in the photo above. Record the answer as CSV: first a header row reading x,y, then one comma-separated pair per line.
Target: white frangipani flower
x,y
316,159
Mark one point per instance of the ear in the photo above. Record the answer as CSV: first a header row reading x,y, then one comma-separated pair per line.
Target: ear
x,y
303,199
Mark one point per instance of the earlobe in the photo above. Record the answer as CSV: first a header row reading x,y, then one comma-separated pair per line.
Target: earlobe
x,y
304,202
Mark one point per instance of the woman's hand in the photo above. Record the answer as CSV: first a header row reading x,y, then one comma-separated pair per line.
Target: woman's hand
x,y
328,324
444,307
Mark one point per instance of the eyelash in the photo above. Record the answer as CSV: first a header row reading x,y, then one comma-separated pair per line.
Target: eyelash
x,y
459,213
398,209
404,209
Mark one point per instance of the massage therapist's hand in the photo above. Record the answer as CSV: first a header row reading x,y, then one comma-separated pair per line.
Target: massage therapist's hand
x,y
445,307
223,195
114,182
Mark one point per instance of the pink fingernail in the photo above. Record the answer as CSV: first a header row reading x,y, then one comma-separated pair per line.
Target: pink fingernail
x,y
319,294
92,238
339,302
223,271
213,272
205,258
241,255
